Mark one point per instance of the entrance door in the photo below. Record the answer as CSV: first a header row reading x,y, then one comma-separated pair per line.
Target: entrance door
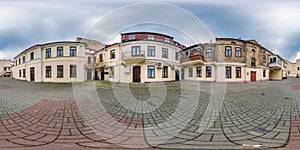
x,y
89,75
102,73
32,74
177,75
96,75
136,74
253,76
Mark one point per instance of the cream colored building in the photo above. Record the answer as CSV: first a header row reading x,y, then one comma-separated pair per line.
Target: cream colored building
x,y
51,62
5,68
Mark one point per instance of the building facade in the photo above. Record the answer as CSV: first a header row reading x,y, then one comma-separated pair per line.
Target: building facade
x,y
5,68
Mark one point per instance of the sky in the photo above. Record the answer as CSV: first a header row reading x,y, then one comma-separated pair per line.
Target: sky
x,y
275,24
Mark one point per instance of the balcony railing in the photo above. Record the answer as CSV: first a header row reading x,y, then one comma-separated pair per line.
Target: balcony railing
x,y
133,57
197,56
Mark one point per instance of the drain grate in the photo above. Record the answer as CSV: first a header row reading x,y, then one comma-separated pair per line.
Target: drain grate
x,y
261,130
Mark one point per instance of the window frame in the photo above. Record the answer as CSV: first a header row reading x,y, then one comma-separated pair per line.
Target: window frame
x,y
199,71
208,53
135,51
208,71
164,53
151,71
60,71
48,53
73,51
165,71
228,72
238,72
24,73
60,51
151,51
48,72
73,71
253,62
238,52
191,71
228,51
31,56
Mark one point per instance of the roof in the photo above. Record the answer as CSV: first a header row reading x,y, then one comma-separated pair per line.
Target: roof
x,y
152,33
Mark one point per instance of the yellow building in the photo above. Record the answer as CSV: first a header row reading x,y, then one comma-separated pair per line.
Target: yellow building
x,y
5,68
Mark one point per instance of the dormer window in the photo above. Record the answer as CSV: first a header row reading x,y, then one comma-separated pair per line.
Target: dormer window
x,y
167,40
132,37
150,37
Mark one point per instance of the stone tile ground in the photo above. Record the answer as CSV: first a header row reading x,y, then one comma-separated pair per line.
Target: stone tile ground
x,y
179,115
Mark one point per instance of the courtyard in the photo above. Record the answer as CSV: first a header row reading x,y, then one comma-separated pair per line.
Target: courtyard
x,y
171,115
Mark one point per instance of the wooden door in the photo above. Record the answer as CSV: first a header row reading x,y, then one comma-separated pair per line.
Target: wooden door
x,y
136,76
32,74
253,76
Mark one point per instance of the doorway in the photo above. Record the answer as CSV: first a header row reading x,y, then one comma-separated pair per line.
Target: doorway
x,y
32,74
177,75
101,73
136,77
253,76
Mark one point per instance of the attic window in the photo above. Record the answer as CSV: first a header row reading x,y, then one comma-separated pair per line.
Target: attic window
x,y
253,50
233,42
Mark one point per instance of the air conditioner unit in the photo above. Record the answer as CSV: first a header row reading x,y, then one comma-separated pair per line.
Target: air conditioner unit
x,y
159,64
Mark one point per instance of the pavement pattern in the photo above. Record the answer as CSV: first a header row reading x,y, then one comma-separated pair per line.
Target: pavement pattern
x,y
177,115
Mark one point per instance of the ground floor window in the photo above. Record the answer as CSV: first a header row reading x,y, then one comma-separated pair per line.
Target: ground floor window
x,y
190,72
111,72
60,71
48,71
228,72
264,73
24,73
238,73
199,71
151,71
165,72
208,71
73,71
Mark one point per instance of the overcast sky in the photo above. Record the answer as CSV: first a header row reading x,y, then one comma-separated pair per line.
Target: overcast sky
x,y
273,23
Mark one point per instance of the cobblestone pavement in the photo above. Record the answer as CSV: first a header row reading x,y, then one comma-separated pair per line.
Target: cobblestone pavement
x,y
178,115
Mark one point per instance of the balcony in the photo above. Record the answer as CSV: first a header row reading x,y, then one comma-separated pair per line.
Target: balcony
x,y
131,58
275,65
194,58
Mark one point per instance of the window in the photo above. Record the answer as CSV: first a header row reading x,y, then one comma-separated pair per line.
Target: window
x,y
298,68
150,37
72,51
20,73
167,40
164,53
264,59
228,72
272,60
165,72
228,51
238,73
101,57
208,53
176,55
60,51
253,62
135,51
264,73
94,58
48,71
190,72
31,56
89,60
23,59
111,72
199,72
151,51
60,71
73,71
238,52
48,53
131,37
208,71
151,71
112,54
19,60
24,73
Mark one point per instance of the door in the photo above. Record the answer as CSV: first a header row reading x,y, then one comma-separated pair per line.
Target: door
x,y
96,75
102,73
253,76
177,75
89,75
32,74
136,77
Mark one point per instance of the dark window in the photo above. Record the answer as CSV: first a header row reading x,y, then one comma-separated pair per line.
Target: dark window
x,y
135,51
264,59
101,57
151,71
31,56
228,51
190,72
165,72
264,73
48,53
73,71
238,52
111,72
19,60
89,60
208,53
238,72
23,59
176,55
272,60
199,71
208,71
20,73
24,73
60,51
73,51
164,53
112,54
253,62
151,51
48,71
228,72
60,71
